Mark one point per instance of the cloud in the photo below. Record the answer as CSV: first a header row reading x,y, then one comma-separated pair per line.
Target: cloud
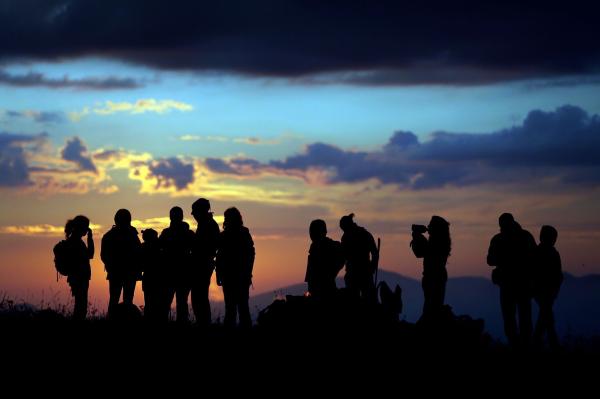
x,y
139,107
39,230
36,79
254,141
76,151
386,42
563,145
14,167
172,172
36,116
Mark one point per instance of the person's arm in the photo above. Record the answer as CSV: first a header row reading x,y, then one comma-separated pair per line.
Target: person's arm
x,y
560,276
90,244
492,256
374,253
419,245
251,257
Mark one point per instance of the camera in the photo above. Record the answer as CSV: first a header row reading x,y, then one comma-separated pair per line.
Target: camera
x,y
419,229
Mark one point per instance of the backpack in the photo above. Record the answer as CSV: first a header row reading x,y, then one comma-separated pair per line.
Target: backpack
x,y
62,263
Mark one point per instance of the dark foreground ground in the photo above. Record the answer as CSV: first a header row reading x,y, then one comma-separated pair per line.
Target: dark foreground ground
x,y
292,351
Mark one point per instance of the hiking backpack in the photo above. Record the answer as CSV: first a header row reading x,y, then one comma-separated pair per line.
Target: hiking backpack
x,y
62,261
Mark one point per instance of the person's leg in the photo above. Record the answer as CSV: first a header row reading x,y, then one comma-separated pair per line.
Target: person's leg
x,y
114,288
200,299
525,323
129,290
80,293
368,288
538,332
550,326
352,287
148,304
230,294
182,293
244,308
166,300
428,298
508,304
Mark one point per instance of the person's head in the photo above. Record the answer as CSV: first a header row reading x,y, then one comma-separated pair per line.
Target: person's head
x,y
77,227
149,235
317,230
123,218
439,232
506,222
200,208
347,222
548,235
176,214
233,218
438,225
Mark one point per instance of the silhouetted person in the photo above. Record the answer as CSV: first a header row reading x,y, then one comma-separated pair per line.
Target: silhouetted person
x,y
325,260
176,242
120,253
547,278
79,256
361,255
512,251
235,261
435,252
204,250
154,280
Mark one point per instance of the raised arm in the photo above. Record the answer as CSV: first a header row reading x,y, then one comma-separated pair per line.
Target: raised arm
x,y
90,244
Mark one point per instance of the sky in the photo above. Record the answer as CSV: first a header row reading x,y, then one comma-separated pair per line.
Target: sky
x,y
293,111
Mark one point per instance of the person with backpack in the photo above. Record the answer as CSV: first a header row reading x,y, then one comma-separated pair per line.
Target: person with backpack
x,y
234,264
325,260
120,253
73,258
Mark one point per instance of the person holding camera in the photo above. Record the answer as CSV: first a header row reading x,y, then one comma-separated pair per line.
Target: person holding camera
x,y
435,252
79,255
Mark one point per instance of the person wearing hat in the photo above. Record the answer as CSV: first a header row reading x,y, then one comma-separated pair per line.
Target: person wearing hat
x,y
204,250
362,256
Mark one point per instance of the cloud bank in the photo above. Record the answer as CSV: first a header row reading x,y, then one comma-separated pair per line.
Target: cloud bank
x,y
563,144
381,43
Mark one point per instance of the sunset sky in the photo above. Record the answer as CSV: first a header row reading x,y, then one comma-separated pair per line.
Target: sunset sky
x,y
293,111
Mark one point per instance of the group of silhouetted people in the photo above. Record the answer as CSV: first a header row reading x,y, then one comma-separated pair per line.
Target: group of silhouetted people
x,y
180,261
170,265
526,271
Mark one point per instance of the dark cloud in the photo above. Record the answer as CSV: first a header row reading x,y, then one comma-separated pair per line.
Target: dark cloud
x,y
14,169
106,155
35,79
172,171
563,144
76,151
37,116
383,42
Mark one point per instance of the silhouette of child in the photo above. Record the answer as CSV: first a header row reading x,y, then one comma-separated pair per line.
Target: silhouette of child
x,y
548,278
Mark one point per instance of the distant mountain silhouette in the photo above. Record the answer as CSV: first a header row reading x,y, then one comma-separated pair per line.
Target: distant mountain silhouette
x,y
577,309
